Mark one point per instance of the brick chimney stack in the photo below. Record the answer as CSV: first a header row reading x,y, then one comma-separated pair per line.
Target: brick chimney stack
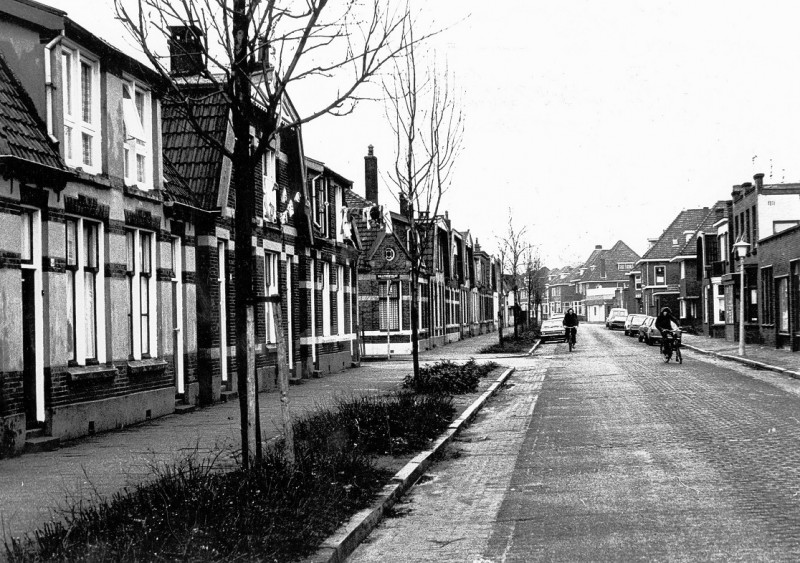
x,y
186,50
371,175
759,180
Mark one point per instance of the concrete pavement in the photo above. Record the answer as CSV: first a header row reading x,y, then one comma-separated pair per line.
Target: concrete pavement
x,y
756,356
33,484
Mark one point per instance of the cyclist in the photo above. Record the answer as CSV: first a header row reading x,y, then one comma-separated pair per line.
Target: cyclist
x,y
570,323
666,324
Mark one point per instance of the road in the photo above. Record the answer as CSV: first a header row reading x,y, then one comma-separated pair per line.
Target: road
x,y
608,454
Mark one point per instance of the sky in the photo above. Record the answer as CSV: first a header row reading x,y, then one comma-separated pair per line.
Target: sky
x,y
589,121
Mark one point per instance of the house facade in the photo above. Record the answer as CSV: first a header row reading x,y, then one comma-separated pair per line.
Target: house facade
x,y
660,270
602,279
99,265
458,284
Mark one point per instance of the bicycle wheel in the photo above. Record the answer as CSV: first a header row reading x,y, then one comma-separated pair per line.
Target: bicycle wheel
x,y
571,344
678,356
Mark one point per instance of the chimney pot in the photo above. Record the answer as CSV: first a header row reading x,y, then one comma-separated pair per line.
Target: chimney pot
x,y
598,247
759,179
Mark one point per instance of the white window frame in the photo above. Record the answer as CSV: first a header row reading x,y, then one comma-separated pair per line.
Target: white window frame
x,y
655,275
339,300
326,299
79,338
136,276
269,185
270,288
74,125
132,146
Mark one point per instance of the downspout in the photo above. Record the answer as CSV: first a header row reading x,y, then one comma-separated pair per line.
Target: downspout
x,y
48,81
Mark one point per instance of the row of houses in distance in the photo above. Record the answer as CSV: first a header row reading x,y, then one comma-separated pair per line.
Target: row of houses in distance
x,y
693,269
117,237
593,288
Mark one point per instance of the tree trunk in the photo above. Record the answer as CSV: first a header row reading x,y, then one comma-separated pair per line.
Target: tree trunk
x,y
415,323
243,224
283,378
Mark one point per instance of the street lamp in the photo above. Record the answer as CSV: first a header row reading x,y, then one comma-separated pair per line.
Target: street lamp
x,y
741,248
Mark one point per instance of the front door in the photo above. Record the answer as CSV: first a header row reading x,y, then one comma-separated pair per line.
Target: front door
x,y
32,347
29,346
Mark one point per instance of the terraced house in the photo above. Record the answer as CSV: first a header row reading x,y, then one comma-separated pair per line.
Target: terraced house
x,y
458,285
307,257
98,250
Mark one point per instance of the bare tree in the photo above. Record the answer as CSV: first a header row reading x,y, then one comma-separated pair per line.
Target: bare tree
x,y
513,247
428,124
337,47
533,280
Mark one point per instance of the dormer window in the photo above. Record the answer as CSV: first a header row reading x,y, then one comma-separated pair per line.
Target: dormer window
x,y
137,152
80,78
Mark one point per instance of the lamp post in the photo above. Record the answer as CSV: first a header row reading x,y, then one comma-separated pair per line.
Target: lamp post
x,y
741,248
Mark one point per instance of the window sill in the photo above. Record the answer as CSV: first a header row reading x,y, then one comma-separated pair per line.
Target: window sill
x,y
90,373
146,367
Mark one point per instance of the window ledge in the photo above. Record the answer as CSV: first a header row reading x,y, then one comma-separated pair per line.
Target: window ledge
x,y
90,373
146,367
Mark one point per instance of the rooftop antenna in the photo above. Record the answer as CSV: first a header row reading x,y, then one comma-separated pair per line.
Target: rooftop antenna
x,y
770,169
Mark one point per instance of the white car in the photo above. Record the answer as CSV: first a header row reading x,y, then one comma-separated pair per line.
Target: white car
x,y
552,329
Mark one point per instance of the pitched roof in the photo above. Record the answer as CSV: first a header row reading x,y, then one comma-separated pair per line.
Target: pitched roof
x,y
22,132
673,239
706,225
194,159
594,266
175,187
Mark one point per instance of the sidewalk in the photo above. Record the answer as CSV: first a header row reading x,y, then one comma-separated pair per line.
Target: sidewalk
x,y
756,356
32,484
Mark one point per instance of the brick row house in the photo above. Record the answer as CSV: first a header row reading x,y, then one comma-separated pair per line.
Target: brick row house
x,y
459,286
97,252
117,268
306,257
694,268
659,277
767,218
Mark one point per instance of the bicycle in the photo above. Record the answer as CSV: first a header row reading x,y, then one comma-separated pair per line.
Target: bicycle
x,y
671,343
569,336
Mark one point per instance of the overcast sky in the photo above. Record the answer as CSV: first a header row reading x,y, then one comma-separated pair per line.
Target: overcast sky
x,y
594,121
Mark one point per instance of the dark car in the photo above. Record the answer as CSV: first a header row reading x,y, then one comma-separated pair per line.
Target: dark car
x,y
632,324
648,332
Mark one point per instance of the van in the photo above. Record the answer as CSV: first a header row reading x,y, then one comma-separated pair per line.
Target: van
x,y
616,318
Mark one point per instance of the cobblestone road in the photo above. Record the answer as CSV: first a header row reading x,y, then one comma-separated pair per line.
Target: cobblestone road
x,y
610,454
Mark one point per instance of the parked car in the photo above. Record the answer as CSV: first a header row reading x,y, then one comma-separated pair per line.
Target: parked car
x,y
555,316
616,318
552,329
632,324
648,332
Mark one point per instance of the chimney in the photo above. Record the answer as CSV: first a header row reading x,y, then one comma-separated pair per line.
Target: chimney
x,y
759,180
598,247
736,191
186,50
371,176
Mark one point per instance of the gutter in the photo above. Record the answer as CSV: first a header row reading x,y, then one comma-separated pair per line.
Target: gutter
x,y
48,81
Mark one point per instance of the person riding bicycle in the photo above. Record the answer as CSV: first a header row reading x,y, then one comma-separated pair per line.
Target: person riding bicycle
x,y
666,323
570,322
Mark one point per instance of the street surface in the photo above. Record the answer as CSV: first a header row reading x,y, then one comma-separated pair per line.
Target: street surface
x,y
608,454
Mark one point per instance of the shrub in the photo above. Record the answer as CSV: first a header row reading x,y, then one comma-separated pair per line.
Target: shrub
x,y
449,378
194,511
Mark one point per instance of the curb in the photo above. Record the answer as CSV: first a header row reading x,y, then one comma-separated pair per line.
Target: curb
x,y
347,538
744,361
533,348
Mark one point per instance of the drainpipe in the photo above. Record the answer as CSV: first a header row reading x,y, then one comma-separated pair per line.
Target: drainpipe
x,y
48,81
